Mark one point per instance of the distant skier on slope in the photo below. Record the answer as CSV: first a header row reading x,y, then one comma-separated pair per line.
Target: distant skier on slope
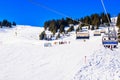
x,y
15,33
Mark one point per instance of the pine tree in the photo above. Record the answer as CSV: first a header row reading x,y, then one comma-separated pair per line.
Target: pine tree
x,y
70,29
87,20
8,24
4,23
42,35
0,24
14,24
118,21
52,26
95,18
58,36
69,21
105,17
118,24
62,28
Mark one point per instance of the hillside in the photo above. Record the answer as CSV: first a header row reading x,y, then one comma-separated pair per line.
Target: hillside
x,y
24,57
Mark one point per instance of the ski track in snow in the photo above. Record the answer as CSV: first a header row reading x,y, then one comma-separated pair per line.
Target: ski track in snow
x,y
24,57
104,64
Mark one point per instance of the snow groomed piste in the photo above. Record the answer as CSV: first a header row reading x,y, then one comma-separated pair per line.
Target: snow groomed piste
x,y
83,57
24,57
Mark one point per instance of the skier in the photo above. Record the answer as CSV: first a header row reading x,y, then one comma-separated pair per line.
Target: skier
x,y
15,33
111,47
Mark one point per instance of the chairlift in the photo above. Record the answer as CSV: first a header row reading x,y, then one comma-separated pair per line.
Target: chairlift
x,y
102,31
110,39
82,35
97,33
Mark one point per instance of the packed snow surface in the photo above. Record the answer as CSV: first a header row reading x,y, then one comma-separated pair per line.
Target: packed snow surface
x,y
24,57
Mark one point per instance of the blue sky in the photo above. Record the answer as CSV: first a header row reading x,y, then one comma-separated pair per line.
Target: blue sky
x,y
26,13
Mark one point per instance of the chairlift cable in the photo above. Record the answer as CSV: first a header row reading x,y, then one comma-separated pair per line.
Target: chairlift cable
x,y
47,8
110,43
62,14
106,16
105,11
52,10
59,13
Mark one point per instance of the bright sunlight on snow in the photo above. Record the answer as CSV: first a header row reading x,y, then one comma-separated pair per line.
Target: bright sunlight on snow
x,y
24,57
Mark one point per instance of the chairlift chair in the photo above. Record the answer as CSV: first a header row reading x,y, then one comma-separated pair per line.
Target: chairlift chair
x,y
82,35
109,40
97,33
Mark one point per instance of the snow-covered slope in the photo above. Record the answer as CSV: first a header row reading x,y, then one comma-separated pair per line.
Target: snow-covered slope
x,y
24,57
102,65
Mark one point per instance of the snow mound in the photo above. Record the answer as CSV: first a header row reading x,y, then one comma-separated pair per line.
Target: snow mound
x,y
104,64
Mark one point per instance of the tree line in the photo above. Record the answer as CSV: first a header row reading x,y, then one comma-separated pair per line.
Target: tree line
x,y
58,25
118,25
96,19
118,21
6,23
